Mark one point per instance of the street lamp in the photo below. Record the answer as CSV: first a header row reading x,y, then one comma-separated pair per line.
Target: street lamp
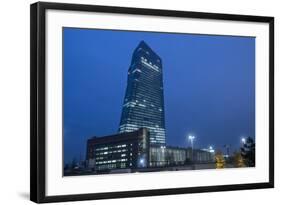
x,y
191,138
211,149
243,140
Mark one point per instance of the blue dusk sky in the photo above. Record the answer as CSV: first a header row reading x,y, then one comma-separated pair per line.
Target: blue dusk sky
x,y
209,86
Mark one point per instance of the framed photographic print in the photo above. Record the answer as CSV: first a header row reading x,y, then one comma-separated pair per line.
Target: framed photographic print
x,y
129,102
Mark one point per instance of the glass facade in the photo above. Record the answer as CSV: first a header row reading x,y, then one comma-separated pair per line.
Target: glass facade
x,y
178,156
144,99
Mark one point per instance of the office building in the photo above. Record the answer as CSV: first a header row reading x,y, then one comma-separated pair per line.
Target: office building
x,y
120,151
143,104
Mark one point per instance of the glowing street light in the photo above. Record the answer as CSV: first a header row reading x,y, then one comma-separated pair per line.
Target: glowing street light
x,y
243,140
191,138
211,149
142,162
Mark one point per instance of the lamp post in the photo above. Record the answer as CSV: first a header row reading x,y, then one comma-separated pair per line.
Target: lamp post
x,y
243,141
191,138
227,147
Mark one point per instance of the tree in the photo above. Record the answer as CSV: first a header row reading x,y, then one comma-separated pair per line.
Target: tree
x,y
220,161
238,160
248,152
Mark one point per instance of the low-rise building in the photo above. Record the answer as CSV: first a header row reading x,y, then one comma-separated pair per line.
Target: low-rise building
x,y
128,150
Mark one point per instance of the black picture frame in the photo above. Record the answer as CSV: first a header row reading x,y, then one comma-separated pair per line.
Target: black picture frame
x,y
38,101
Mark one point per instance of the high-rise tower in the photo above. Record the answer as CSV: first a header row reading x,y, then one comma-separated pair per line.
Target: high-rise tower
x,y
144,99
